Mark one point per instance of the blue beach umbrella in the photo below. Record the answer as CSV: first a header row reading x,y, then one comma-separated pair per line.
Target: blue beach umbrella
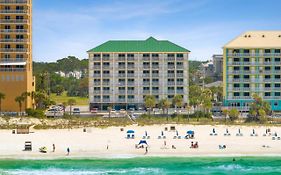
x,y
143,142
190,132
130,132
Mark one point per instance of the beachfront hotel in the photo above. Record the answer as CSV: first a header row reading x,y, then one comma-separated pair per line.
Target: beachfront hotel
x,y
252,66
122,73
15,52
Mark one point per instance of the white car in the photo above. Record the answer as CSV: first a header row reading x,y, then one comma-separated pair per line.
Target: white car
x,y
53,112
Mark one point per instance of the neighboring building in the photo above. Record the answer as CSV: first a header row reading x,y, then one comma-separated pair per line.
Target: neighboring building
x,y
207,69
15,52
218,66
252,66
122,73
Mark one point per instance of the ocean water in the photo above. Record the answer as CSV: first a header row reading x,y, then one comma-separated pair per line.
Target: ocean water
x,y
150,166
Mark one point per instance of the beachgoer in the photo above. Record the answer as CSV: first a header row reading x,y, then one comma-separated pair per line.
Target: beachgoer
x,y
68,151
146,150
165,143
214,131
233,160
173,147
54,148
107,147
192,146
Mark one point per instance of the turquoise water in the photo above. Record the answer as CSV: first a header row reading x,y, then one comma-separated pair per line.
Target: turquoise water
x,y
136,166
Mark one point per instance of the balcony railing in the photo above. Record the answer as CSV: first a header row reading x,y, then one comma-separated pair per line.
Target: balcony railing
x,y
12,69
253,54
14,21
13,31
13,12
13,40
15,50
14,1
171,91
130,75
239,97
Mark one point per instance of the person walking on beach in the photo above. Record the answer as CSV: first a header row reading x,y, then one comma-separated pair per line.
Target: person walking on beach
x,y
146,150
54,148
68,151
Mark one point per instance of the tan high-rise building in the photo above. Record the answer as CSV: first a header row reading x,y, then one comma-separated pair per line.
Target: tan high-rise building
x,y
15,52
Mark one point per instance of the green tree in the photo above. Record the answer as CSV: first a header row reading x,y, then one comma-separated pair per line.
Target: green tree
x,y
71,102
177,101
225,113
149,102
20,100
25,96
164,104
59,89
262,116
257,105
2,97
233,114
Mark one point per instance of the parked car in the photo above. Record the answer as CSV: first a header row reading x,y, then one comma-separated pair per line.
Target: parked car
x,y
76,111
94,110
53,112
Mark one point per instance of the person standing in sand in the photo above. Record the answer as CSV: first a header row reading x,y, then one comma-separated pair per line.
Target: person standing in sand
x,y
54,148
68,151
146,150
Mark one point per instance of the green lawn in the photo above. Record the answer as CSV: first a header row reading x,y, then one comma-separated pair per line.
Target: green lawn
x,y
65,98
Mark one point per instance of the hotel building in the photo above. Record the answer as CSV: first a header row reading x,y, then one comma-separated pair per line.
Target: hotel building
x,y
122,73
252,66
15,52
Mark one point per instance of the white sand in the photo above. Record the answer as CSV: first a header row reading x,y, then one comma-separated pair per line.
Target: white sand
x,y
94,143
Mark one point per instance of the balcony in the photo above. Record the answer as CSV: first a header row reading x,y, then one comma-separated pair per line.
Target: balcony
x,y
13,12
155,91
180,83
131,100
15,50
105,58
122,92
106,100
130,58
155,83
12,69
97,100
146,66
171,66
171,58
171,75
96,59
97,91
146,91
97,75
106,75
131,83
8,2
171,91
13,40
121,75
180,91
131,66
106,91
131,92
121,100
155,75
179,66
155,66
121,58
97,66
131,75
121,66
14,21
13,31
146,83
146,75
171,83
105,83
180,75
146,58
13,62
240,97
180,58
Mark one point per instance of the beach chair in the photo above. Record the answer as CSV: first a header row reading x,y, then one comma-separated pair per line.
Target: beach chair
x,y
28,146
148,137
175,137
143,137
179,137
164,137
211,134
159,137
215,134
273,138
278,138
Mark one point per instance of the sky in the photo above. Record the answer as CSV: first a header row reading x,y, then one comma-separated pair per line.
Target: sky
x,y
64,28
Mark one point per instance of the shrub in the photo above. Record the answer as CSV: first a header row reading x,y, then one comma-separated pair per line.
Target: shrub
x,y
36,113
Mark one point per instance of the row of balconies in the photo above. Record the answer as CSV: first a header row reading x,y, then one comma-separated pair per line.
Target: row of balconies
x,y
178,75
254,89
254,63
142,58
255,80
14,41
253,54
14,21
135,84
254,71
7,2
14,31
249,97
14,50
14,12
132,92
12,69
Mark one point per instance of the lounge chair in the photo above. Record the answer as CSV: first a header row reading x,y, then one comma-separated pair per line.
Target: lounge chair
x,y
175,137
159,137
179,137
164,137
273,138
143,137
278,138
148,137
28,146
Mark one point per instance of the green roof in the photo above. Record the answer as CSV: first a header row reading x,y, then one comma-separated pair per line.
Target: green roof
x,y
149,45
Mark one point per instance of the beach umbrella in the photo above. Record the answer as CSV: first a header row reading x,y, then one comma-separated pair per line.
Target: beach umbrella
x,y
142,142
190,132
130,132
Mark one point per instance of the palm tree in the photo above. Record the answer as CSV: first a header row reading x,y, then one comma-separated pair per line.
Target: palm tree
x,y
164,104
19,100
25,96
177,101
2,97
32,96
149,102
225,113
71,102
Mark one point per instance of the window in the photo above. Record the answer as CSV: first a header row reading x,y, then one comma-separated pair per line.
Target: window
x,y
277,67
267,51
106,88
171,55
267,85
146,88
106,63
179,55
155,55
121,88
145,55
267,68
246,59
277,76
121,55
236,85
246,94
131,55
236,94
246,76
236,68
246,85
277,50
236,59
275,103
277,94
267,94
277,59
267,59
236,76
246,68
131,96
277,85
267,76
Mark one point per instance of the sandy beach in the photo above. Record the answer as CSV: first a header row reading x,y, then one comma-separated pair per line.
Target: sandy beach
x,y
112,142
